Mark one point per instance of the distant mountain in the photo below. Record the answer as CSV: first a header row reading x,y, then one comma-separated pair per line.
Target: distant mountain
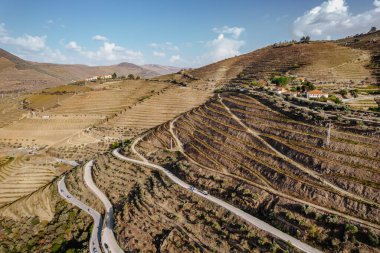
x,y
163,70
17,74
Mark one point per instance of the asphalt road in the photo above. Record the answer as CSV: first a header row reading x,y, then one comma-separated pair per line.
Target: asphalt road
x,y
94,240
109,242
249,218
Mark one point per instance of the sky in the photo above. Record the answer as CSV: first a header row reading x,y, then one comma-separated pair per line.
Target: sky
x,y
176,33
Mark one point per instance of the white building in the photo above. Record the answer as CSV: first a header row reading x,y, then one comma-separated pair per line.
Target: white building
x,y
106,77
279,90
316,94
91,79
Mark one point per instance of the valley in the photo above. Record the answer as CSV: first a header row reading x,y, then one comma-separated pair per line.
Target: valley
x,y
212,159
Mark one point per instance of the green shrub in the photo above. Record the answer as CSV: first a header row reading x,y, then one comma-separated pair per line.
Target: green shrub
x,y
373,238
351,228
335,99
281,80
343,92
375,109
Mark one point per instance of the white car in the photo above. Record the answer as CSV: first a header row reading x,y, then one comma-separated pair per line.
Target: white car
x,y
204,192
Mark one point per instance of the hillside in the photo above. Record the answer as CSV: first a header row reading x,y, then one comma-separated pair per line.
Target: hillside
x,y
163,70
307,168
330,64
17,74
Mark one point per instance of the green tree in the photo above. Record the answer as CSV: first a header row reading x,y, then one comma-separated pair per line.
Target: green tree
x,y
281,80
343,92
351,228
305,39
131,77
306,86
114,76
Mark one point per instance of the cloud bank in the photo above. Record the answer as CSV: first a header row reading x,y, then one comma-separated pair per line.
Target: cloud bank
x,y
108,53
26,42
227,43
333,19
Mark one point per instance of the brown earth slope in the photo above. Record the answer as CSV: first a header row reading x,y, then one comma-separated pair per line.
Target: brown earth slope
x,y
17,74
353,61
276,168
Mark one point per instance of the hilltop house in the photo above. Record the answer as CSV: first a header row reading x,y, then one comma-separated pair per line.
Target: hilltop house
x,y
279,90
316,94
106,77
91,79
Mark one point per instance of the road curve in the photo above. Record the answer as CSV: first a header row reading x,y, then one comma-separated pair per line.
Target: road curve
x,y
94,240
249,218
109,242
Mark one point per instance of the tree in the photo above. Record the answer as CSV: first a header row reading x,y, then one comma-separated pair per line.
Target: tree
x,y
306,86
373,29
354,93
305,39
114,76
343,92
351,228
281,80
131,77
373,238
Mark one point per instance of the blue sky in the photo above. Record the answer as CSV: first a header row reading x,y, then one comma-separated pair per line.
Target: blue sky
x,y
179,33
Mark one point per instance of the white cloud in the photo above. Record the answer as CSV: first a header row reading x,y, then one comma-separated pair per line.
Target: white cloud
x,y
27,42
235,31
223,47
108,53
175,58
47,55
99,38
167,46
159,54
74,46
332,18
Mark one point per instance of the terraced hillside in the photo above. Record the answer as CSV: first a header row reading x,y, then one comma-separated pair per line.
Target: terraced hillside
x,y
74,113
276,168
320,62
43,222
153,214
155,110
24,174
9,111
109,99
371,43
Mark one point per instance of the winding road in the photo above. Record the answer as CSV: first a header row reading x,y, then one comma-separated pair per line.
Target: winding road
x,y
96,231
249,218
109,242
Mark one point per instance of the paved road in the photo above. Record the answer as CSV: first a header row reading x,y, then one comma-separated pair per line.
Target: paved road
x,y
68,162
94,240
249,218
360,98
109,242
